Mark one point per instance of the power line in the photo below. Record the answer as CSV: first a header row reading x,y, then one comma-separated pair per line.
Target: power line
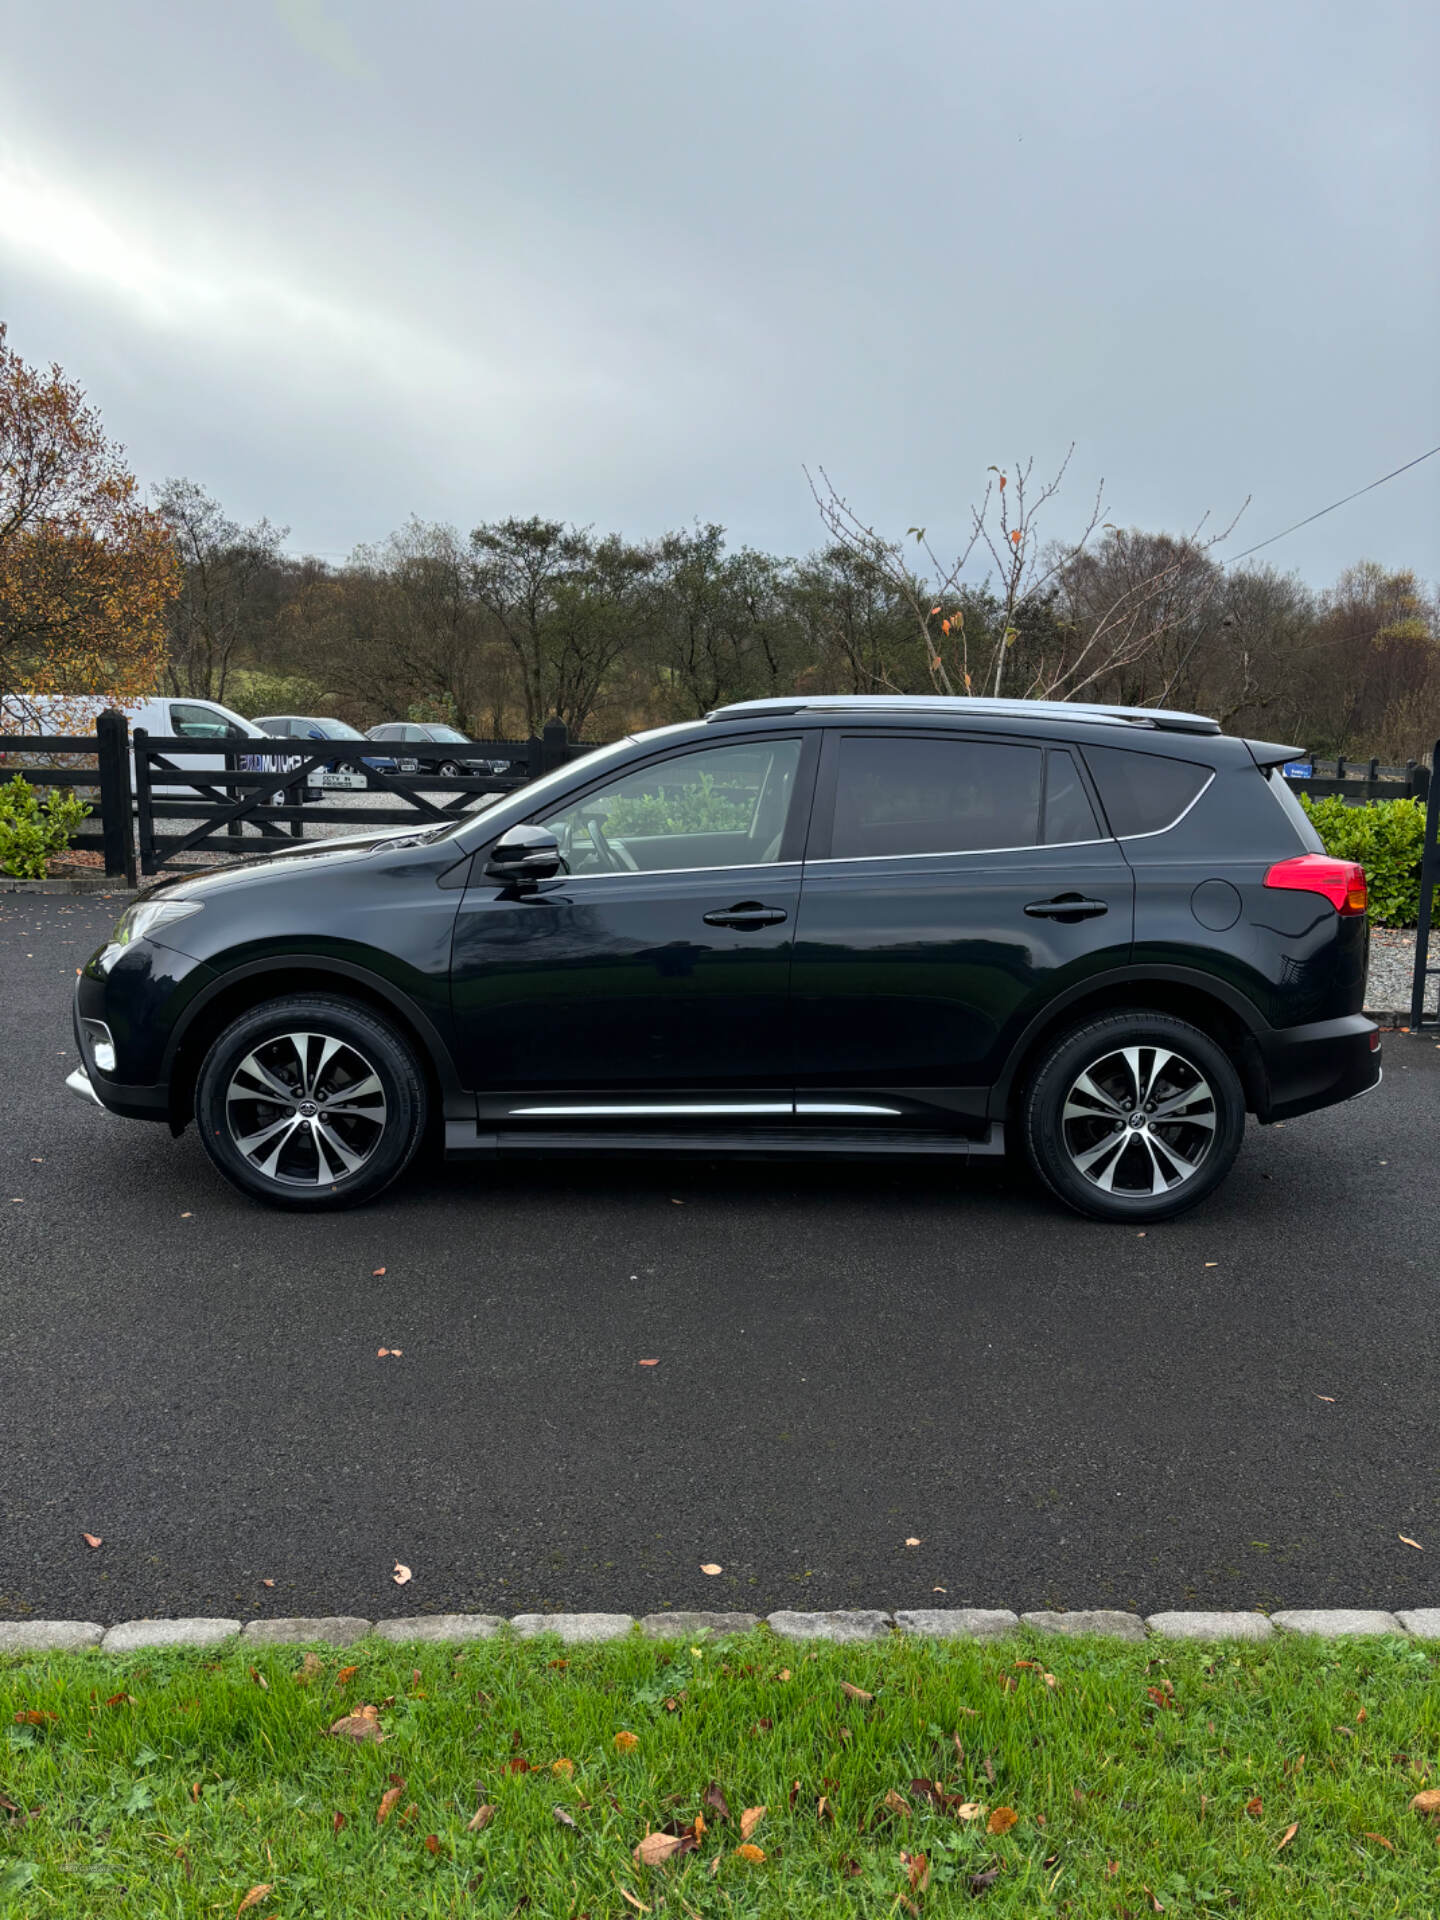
x,y
1331,508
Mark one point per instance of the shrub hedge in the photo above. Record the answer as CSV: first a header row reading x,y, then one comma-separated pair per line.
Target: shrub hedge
x,y
1387,838
32,830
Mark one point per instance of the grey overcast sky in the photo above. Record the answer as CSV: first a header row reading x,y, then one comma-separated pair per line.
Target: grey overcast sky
x,y
636,263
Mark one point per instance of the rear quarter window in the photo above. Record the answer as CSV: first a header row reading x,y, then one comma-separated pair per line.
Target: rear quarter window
x,y
1144,792
1289,803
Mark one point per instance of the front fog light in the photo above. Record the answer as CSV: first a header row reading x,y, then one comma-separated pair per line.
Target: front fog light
x,y
101,1044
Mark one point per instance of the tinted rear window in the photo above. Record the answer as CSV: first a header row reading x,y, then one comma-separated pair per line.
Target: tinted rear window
x,y
1290,806
1144,792
1069,815
934,796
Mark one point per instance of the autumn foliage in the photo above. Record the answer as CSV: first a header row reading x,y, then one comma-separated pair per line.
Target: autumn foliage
x,y
87,571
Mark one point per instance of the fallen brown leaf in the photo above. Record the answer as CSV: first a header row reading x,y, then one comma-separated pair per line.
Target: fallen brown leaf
x,y
912,1542
432,1843
755,1854
267,1583
388,1801
917,1866
1255,1807
1411,1543
565,1768
253,1898
783,1674
1156,1904
259,1679
647,1363
92,1540
121,1700
714,1798
749,1820
625,1894
710,1566
377,1273
1002,1820
853,1692
969,1810
1328,1398
337,1823
1380,1837
626,1742
561,1817
1289,1834
401,1574
1427,1802
360,1727
982,1882
656,1848
480,1819
32,1717
345,1676
897,1803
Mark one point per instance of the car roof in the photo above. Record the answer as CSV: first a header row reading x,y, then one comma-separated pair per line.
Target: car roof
x,y
929,707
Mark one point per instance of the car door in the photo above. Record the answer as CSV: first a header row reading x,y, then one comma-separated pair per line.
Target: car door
x,y
954,884
652,978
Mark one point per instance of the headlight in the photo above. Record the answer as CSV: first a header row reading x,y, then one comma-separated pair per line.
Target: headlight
x,y
140,921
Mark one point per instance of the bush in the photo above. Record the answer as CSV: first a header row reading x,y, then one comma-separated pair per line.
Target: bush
x,y
31,831
698,808
1388,839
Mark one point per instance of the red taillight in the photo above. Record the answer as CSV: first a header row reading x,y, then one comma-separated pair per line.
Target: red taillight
x,y
1341,881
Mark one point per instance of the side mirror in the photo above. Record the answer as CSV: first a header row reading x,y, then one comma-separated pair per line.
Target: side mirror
x,y
524,855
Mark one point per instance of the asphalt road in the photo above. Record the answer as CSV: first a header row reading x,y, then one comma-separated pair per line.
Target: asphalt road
x,y
1062,1413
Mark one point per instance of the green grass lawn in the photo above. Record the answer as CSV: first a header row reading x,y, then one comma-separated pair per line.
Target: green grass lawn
x,y
1033,1776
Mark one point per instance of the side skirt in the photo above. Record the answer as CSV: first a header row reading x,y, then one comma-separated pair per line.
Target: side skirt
x,y
465,1140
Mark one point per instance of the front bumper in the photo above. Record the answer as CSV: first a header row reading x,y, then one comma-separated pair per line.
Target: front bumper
x,y
79,1082
1319,1065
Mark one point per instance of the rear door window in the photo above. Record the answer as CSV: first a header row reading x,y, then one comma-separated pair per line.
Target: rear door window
x,y
1144,792
1069,816
915,795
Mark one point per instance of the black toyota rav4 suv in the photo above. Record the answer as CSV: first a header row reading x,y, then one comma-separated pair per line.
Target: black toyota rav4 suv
x,y
825,926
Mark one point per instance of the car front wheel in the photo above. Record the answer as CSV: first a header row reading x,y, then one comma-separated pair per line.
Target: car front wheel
x,y
1135,1116
310,1102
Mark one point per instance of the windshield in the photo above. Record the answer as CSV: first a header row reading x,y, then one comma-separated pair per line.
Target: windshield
x,y
520,805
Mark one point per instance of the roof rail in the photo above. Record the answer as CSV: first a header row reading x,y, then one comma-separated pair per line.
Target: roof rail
x,y
956,706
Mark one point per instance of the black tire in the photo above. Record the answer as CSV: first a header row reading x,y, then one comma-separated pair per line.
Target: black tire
x,y
345,1048
1182,1072
450,770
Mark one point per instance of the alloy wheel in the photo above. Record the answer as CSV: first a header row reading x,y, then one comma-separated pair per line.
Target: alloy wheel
x,y
1139,1120
305,1109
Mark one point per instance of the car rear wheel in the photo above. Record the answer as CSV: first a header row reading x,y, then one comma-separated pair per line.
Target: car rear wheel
x,y
451,770
1136,1116
310,1102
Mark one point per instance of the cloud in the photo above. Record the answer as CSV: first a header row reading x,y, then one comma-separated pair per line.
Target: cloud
x,y
327,39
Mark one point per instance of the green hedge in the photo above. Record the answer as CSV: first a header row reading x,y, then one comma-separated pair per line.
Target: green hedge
x,y
32,830
1387,838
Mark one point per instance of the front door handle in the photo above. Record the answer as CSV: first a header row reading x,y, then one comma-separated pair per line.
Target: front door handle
x,y
747,917
1068,906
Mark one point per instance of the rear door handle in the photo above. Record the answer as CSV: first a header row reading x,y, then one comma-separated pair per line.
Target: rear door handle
x,y
748,917
1073,906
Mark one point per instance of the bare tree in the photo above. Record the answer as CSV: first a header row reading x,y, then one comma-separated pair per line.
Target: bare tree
x,y
1029,573
224,570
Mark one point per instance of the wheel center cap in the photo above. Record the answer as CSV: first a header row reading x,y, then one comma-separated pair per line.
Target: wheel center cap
x,y
1136,1119
308,1109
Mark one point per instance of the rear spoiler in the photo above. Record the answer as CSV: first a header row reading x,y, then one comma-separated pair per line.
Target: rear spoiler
x,y
1266,754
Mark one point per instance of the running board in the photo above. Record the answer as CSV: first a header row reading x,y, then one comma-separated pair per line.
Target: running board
x,y
464,1139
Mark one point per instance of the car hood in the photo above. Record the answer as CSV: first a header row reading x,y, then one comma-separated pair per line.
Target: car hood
x,y
297,859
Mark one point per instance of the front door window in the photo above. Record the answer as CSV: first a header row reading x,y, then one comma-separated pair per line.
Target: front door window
x,y
720,807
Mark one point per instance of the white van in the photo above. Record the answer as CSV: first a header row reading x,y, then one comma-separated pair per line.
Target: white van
x,y
161,716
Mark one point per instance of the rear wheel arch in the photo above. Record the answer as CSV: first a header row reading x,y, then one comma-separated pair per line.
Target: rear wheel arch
x,y
1201,1002
247,987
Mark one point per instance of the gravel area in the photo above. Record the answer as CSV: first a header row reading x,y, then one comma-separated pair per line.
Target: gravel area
x,y
1392,962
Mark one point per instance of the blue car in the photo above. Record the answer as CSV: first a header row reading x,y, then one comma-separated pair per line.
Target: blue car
x,y
299,726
